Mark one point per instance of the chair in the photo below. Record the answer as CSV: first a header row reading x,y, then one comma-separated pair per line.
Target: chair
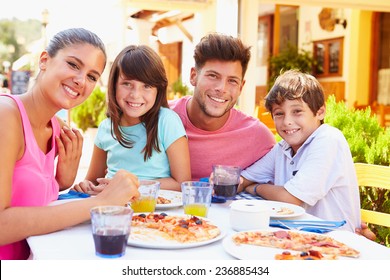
x,y
376,176
380,110
265,117
383,113
363,107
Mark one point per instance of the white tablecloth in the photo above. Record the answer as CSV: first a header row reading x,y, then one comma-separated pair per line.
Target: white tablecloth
x,y
76,243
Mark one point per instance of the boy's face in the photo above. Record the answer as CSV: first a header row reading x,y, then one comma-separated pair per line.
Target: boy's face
x,y
295,122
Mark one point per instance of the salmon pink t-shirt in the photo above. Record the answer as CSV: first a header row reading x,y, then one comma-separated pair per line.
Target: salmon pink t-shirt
x,y
240,142
33,182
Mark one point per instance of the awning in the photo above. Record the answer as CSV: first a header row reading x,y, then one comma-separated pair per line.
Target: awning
x,y
21,62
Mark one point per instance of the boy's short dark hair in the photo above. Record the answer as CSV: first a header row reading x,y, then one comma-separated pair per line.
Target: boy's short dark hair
x,y
215,46
292,85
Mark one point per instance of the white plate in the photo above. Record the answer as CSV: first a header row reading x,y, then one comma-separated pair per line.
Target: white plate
x,y
174,196
155,241
253,252
276,206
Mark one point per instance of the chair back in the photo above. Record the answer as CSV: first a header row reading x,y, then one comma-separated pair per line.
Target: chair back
x,y
265,117
375,176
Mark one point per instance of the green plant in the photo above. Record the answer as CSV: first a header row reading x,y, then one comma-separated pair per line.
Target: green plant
x,y
290,58
180,89
369,143
91,112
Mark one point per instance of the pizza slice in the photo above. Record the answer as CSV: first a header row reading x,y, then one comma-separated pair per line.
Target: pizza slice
x,y
310,255
163,200
296,241
183,229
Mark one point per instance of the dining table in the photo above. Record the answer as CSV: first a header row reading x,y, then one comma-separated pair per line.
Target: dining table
x,y
76,242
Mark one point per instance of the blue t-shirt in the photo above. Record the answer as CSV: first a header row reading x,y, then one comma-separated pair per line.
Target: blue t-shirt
x,y
170,128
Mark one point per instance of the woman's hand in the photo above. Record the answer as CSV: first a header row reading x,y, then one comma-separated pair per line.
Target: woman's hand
x,y
70,145
120,189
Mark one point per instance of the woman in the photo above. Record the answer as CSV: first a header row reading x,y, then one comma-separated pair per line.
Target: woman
x,y
32,137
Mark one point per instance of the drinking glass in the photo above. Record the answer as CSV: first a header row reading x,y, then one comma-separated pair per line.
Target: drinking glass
x,y
148,196
111,229
196,197
225,180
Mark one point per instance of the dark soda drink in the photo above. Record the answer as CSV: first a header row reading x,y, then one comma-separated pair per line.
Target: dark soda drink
x,y
225,191
110,245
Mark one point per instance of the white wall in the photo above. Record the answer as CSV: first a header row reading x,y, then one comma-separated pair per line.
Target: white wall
x,y
310,30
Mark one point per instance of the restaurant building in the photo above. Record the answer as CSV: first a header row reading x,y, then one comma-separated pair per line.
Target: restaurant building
x,y
350,40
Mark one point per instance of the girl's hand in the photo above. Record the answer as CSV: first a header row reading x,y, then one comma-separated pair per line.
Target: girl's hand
x,y
88,187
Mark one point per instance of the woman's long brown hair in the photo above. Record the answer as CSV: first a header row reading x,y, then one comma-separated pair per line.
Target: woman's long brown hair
x,y
143,64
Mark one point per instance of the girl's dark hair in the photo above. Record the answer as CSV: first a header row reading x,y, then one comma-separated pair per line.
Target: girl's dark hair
x,y
143,64
73,36
221,47
292,85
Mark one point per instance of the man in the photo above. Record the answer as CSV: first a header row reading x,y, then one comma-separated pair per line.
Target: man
x,y
217,132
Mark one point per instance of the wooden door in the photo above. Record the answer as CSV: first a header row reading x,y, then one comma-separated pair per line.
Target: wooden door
x,y
171,57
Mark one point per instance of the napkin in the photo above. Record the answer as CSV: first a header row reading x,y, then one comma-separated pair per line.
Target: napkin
x,y
72,194
308,225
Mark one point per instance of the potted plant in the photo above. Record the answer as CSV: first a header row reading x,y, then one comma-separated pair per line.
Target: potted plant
x,y
178,89
290,58
91,112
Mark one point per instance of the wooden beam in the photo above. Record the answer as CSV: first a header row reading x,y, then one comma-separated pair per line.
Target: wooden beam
x,y
189,5
184,30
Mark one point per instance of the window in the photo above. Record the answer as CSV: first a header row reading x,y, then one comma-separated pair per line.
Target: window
x,y
329,57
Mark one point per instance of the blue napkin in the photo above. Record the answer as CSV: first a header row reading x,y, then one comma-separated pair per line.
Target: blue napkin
x,y
308,225
72,194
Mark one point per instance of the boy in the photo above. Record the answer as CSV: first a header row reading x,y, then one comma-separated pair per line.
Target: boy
x,y
312,166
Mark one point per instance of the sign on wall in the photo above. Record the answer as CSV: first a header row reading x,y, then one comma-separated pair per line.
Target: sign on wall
x,y
19,81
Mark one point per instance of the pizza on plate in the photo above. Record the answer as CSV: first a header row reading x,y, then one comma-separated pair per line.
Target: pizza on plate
x,y
284,211
309,255
296,241
163,200
183,229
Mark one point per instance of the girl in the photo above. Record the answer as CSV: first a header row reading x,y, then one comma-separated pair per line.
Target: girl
x,y
141,134
32,137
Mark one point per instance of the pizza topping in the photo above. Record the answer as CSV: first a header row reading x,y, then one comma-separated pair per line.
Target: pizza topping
x,y
309,255
178,228
325,244
163,200
315,254
282,234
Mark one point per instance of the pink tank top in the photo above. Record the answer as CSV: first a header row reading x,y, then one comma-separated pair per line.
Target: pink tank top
x,y
34,182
